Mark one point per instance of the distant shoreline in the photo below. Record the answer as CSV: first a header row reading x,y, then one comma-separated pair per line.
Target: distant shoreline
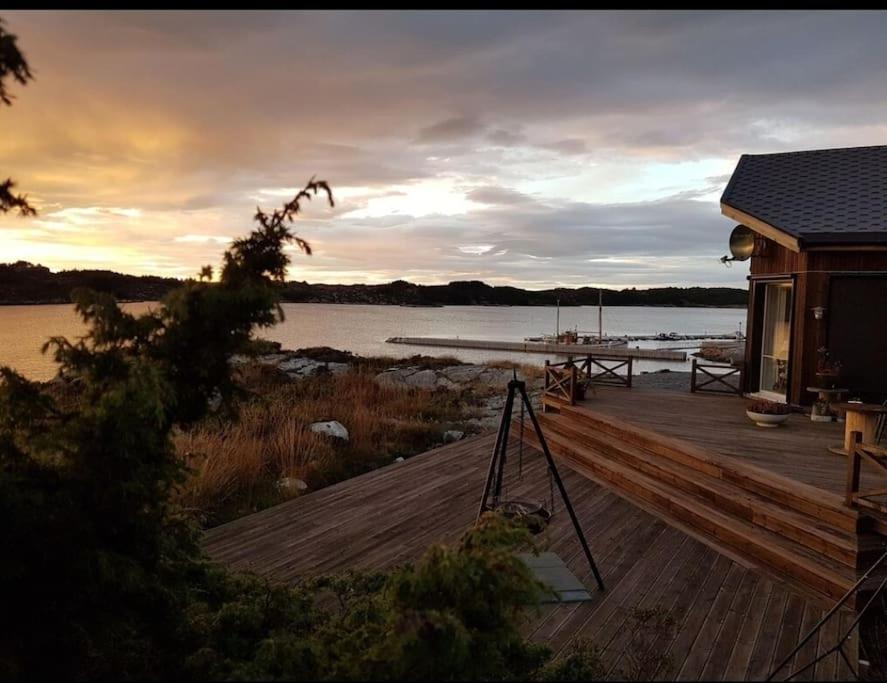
x,y
360,303
23,283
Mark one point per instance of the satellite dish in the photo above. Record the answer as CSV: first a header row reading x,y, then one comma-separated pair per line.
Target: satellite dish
x,y
742,243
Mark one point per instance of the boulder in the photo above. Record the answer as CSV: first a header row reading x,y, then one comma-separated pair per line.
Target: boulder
x,y
496,376
337,368
215,401
297,365
424,379
452,435
291,484
460,374
332,428
393,377
270,358
444,383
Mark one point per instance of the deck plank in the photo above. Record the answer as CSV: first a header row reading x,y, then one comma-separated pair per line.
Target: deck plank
x,y
392,515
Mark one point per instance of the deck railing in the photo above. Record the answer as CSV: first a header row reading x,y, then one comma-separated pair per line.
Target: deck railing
x,y
703,380
874,455
567,380
561,381
596,371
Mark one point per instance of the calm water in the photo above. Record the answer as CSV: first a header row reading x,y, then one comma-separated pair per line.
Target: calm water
x,y
363,329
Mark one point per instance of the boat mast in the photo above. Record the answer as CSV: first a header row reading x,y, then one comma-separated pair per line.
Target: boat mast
x,y
600,314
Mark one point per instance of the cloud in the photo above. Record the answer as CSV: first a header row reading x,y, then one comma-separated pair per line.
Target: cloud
x,y
505,138
579,145
567,146
450,129
497,195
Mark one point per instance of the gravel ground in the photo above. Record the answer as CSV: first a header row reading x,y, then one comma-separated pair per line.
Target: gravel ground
x,y
671,381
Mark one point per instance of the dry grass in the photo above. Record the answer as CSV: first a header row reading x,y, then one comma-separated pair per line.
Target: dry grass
x,y
238,463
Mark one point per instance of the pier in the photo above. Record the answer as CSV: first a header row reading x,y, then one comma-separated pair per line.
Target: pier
x,y
602,350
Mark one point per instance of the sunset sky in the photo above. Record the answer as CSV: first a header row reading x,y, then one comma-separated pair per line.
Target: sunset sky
x,y
535,149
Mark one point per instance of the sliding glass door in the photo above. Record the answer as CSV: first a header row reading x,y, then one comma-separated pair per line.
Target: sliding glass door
x,y
775,339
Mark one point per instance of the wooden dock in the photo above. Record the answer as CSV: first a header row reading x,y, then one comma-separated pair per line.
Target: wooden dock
x,y
734,620
598,350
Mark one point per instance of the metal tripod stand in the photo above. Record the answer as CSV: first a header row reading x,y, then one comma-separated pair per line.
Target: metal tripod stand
x,y
497,467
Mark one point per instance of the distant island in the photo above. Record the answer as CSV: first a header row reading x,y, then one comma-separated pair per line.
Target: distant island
x,y
26,283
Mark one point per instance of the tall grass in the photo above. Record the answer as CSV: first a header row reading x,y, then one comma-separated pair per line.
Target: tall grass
x,y
238,463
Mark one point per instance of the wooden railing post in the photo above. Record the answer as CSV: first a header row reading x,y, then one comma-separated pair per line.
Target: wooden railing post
x,y
853,463
574,373
693,377
630,362
545,386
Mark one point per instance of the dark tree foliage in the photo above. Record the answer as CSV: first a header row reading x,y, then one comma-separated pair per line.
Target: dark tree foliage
x,y
9,200
12,66
101,573
96,560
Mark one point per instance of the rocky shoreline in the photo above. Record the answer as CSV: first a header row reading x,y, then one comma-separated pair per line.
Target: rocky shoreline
x,y
483,386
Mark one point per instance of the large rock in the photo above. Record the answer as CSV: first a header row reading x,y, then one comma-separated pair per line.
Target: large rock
x,y
393,377
337,368
452,435
412,377
496,376
453,377
298,367
215,401
271,358
332,428
424,379
460,374
291,484
444,383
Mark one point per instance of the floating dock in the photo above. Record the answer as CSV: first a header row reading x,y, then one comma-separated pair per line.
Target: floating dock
x,y
600,350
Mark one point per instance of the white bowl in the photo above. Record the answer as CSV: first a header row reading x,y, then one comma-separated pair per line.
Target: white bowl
x,y
765,420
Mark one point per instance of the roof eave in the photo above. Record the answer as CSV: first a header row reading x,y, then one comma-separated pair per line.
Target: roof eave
x,y
761,227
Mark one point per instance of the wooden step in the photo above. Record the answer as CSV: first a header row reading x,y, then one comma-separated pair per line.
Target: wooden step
x,y
825,506
783,555
836,543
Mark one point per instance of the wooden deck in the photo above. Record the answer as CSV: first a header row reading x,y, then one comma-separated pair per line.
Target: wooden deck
x,y
797,450
733,621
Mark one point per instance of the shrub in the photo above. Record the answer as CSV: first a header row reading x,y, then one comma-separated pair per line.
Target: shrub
x,y
451,616
98,563
102,576
765,407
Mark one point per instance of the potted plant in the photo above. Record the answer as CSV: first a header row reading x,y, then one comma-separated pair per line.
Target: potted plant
x,y
828,370
768,413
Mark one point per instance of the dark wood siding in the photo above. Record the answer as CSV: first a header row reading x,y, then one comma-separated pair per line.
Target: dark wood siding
x,y
857,333
852,261
774,259
813,273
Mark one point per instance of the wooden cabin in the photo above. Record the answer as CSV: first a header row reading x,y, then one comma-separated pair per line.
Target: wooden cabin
x,y
818,269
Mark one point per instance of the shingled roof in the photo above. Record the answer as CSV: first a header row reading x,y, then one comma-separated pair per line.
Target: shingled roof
x,y
820,197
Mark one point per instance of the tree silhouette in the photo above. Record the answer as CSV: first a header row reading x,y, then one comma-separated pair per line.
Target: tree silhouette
x,y
13,66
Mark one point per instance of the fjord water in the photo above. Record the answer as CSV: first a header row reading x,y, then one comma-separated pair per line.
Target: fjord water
x,y
364,329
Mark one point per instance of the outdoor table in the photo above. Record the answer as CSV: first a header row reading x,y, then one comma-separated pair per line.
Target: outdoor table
x,y
827,396
861,417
